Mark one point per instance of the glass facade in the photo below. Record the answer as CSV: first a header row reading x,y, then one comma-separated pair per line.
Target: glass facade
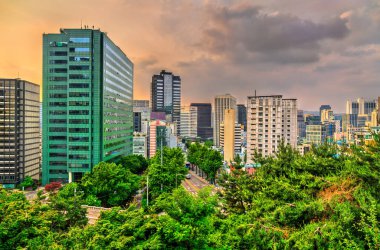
x,y
87,103
19,130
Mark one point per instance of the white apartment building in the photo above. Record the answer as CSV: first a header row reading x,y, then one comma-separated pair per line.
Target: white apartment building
x,y
140,144
270,119
221,103
188,122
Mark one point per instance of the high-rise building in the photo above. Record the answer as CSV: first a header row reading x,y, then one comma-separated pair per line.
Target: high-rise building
x,y
141,115
271,119
166,96
20,131
204,115
230,135
140,144
323,107
161,134
301,125
242,115
327,115
358,112
188,122
222,102
316,134
87,103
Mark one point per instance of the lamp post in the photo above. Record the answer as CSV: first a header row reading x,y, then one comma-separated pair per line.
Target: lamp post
x,y
147,190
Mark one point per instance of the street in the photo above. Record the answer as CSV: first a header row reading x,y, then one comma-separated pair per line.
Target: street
x,y
195,183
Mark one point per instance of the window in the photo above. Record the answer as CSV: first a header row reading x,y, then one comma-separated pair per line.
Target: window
x,y
53,129
58,95
78,94
79,50
78,121
58,78
79,58
78,103
78,112
83,148
79,40
79,76
78,139
79,85
58,70
58,61
58,44
79,67
58,53
78,130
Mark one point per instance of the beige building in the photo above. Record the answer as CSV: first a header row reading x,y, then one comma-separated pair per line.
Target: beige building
x,y
270,120
230,135
327,115
221,103
188,122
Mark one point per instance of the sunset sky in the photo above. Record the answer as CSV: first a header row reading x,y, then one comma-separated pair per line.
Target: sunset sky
x,y
318,51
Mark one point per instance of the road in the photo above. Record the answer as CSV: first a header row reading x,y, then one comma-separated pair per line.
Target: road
x,y
195,183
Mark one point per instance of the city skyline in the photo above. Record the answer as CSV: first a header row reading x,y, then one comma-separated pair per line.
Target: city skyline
x,y
322,55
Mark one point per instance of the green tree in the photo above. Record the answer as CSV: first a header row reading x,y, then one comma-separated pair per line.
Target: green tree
x,y
137,164
28,182
210,163
164,178
111,184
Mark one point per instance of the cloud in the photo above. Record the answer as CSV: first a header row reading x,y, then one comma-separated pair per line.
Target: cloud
x,y
249,31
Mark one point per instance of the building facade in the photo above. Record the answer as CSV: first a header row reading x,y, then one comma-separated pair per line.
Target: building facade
x,y
230,135
140,144
188,124
20,138
242,115
204,115
271,120
166,96
221,103
87,103
316,134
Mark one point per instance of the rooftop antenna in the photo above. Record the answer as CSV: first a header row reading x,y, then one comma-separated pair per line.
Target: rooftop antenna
x,y
81,24
255,92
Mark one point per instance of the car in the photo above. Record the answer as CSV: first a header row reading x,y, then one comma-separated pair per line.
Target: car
x,y
188,176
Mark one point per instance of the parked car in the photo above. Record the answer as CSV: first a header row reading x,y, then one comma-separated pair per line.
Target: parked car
x,y
188,176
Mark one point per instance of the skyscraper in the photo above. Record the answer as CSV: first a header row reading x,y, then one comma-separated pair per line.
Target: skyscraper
x,y
272,119
230,135
87,103
188,122
242,115
166,96
204,125
222,102
358,112
324,107
20,131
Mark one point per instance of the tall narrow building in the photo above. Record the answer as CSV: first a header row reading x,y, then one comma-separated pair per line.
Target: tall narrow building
x,y
188,122
272,119
87,103
166,96
242,115
230,135
20,131
222,102
204,125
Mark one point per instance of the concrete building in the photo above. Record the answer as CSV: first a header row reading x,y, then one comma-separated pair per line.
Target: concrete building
x,y
358,113
87,103
221,103
316,134
188,128
161,134
227,134
166,96
327,115
141,115
140,144
301,125
204,120
323,107
270,120
20,139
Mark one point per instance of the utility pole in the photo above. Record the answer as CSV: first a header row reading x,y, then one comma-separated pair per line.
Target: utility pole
x,y
147,190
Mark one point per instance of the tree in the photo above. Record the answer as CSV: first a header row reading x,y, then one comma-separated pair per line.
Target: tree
x,y
137,164
111,184
164,178
28,182
210,163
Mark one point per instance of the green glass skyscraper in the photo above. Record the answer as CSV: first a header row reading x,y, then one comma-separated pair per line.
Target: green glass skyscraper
x,y
87,103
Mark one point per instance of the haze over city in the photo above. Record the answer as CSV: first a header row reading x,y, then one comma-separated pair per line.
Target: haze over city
x,y
316,51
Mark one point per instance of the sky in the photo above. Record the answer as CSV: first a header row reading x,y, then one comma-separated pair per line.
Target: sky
x,y
318,51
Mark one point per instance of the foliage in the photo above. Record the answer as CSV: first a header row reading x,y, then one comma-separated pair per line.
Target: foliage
x,y
28,182
53,186
109,185
164,178
207,159
137,164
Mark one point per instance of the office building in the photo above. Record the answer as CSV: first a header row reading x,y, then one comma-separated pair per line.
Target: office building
x,y
20,139
166,96
161,134
221,103
316,134
271,119
204,124
323,107
87,103
230,135
358,112
140,144
301,125
188,122
327,115
242,115
141,115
